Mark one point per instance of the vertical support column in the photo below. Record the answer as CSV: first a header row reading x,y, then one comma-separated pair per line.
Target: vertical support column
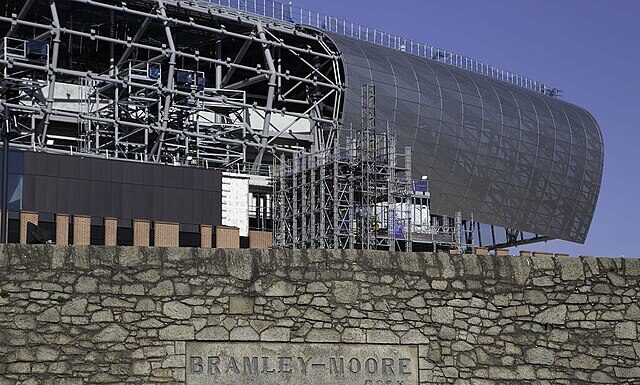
x,y
166,234
53,67
408,212
218,66
322,196
313,189
62,229
206,236
141,232
280,195
26,217
306,210
392,214
260,239
81,230
227,237
336,193
168,101
273,78
4,201
297,169
110,231
5,225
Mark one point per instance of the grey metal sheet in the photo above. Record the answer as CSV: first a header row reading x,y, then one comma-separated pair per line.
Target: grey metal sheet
x,y
509,156
125,190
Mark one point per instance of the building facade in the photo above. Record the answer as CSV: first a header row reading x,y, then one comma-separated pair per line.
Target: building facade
x,y
137,117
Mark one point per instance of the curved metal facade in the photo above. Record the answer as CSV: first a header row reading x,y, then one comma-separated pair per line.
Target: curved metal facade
x,y
509,156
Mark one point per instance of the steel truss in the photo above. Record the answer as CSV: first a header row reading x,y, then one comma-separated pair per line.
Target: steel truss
x,y
166,81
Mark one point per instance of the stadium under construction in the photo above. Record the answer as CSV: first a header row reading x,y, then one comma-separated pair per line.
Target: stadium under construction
x,y
252,123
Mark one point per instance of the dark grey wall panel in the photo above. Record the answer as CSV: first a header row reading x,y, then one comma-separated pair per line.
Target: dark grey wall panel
x,y
512,157
126,190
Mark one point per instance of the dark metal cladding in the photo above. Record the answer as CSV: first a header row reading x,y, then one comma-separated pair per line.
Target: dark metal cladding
x,y
509,156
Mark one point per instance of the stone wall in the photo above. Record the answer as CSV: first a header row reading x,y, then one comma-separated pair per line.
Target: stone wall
x,y
79,315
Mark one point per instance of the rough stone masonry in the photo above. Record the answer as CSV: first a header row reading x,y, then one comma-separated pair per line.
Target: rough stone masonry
x,y
96,315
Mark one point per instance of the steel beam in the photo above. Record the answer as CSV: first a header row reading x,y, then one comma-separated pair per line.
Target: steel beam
x,y
239,56
23,12
268,58
44,125
136,38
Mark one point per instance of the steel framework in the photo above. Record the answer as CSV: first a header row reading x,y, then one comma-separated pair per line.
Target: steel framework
x,y
354,195
357,194
290,13
166,81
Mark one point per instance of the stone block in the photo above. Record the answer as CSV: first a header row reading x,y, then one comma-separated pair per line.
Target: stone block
x,y
540,356
323,335
571,269
213,333
177,333
346,292
556,315
354,335
378,336
86,284
244,333
76,306
240,304
317,287
277,334
111,333
176,310
50,315
626,330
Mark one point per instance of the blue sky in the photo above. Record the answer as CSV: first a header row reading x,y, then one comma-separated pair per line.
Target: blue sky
x,y
588,48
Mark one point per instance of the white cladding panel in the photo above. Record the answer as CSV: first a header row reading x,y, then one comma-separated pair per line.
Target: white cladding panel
x,y
235,202
279,122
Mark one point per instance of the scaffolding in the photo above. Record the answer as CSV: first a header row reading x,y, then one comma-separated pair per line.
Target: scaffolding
x,y
164,81
356,195
359,194
204,123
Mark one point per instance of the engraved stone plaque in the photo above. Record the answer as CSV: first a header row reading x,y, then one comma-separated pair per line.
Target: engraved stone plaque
x,y
267,363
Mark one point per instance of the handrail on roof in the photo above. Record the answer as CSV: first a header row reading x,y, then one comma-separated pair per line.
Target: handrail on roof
x,y
292,14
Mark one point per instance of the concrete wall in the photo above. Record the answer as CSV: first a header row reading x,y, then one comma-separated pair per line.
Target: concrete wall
x,y
79,315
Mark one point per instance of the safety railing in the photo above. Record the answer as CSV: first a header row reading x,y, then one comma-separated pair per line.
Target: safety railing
x,y
296,15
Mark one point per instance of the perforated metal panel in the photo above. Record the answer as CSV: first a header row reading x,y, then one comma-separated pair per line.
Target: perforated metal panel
x,y
509,156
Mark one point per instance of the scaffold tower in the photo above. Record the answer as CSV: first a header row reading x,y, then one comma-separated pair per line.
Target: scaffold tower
x,y
356,194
